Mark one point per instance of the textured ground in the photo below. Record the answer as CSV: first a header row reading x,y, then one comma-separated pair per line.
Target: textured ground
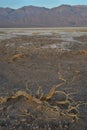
x,y
33,62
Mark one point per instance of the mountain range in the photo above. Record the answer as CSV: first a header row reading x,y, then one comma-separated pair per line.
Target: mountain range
x,y
32,16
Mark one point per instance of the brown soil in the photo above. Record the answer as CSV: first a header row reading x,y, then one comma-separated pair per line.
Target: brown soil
x,y
30,95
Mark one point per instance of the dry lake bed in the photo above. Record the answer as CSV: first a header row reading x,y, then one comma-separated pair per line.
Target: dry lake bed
x,y
43,78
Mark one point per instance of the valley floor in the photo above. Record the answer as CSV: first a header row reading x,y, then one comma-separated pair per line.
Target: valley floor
x,y
32,62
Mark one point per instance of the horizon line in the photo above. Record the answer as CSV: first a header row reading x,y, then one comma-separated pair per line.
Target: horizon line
x,y
44,6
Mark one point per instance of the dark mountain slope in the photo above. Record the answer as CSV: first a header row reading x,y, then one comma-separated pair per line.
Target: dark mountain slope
x,y
31,16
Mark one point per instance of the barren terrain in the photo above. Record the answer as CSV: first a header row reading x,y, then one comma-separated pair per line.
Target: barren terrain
x,y
43,79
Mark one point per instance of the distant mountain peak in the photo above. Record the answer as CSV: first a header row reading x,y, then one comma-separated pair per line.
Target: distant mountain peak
x,y
33,16
65,5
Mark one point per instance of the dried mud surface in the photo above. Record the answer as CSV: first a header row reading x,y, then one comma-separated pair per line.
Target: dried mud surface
x,y
43,79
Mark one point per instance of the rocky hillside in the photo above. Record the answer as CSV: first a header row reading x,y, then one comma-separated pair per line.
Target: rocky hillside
x,y
31,16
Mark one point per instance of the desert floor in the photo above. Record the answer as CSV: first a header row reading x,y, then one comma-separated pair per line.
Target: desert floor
x,y
43,79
